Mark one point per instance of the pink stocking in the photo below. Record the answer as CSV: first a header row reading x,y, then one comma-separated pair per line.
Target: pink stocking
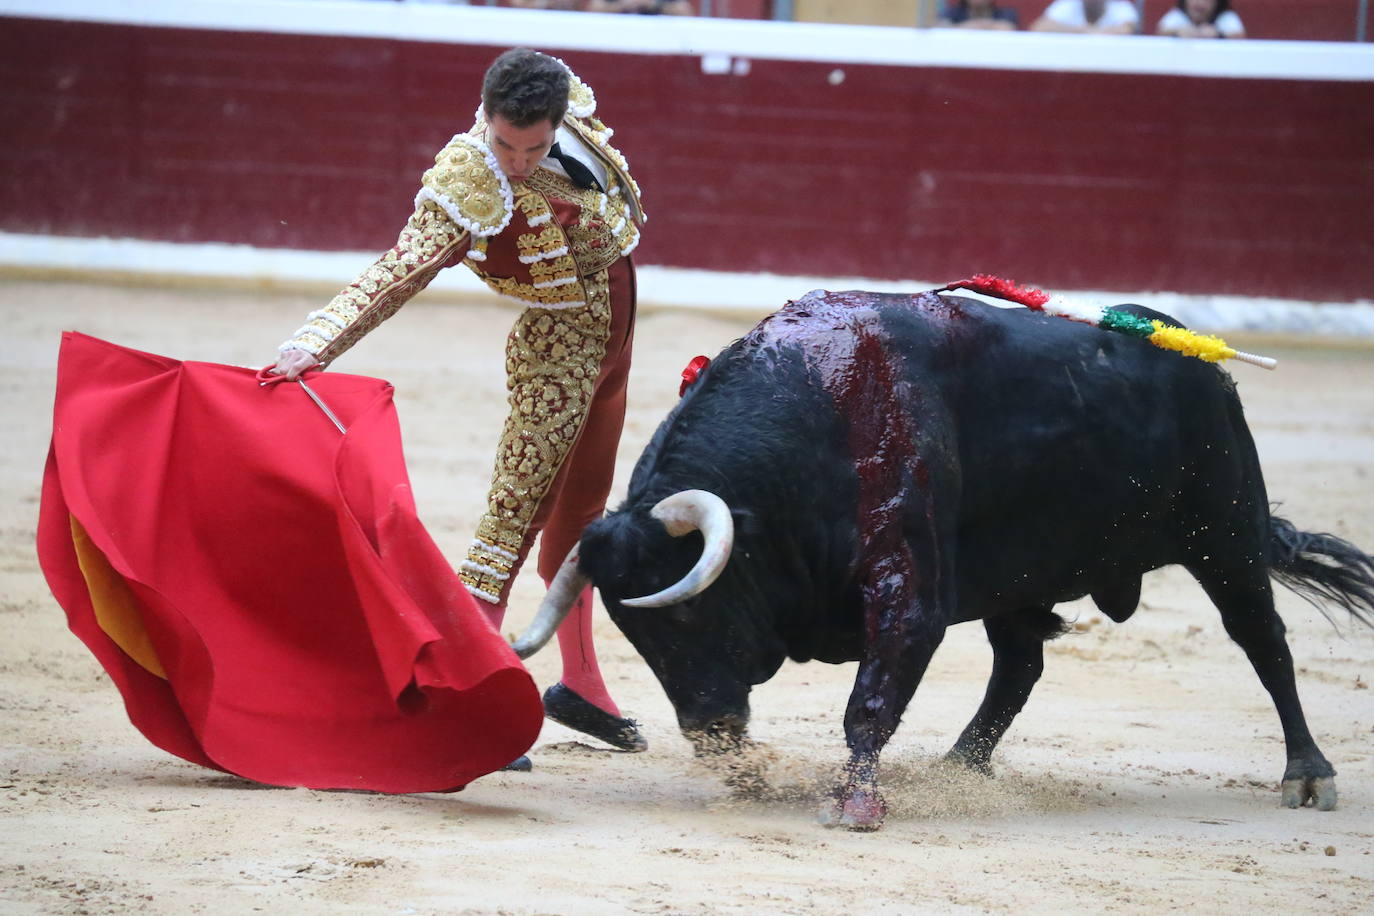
x,y
495,612
581,674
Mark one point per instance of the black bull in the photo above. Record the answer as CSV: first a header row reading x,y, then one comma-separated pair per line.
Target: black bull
x,y
897,464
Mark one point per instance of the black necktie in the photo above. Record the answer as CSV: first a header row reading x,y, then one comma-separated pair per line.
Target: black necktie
x,y
579,173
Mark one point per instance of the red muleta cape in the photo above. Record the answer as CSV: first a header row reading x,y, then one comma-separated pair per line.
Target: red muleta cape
x,y
258,585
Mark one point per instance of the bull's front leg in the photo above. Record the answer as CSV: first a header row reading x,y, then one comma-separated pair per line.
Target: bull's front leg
x,y
905,625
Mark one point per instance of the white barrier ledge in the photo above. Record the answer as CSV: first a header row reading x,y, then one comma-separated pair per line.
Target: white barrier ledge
x,y
242,266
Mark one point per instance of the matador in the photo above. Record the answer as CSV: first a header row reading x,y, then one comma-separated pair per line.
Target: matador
x,y
535,201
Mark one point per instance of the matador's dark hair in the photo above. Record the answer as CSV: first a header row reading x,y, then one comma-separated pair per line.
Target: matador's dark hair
x,y
525,87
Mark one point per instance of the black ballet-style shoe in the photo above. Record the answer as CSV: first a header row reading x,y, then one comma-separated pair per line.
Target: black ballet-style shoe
x,y
564,706
520,764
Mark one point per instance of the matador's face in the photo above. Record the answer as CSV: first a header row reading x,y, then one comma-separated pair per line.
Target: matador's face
x,y
519,149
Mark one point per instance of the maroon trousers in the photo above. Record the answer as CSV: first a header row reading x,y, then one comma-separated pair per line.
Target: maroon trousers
x,y
578,494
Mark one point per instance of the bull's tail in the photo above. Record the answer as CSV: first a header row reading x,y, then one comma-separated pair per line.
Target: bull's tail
x,y
1322,567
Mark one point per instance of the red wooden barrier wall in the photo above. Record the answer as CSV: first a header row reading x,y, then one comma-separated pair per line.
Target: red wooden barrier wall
x,y
1069,180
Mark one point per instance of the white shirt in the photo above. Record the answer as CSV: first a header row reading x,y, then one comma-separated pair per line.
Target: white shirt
x,y
571,145
1228,23
1070,13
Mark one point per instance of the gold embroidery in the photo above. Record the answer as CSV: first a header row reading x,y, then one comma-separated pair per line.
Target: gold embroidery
x,y
465,182
422,249
593,240
555,297
532,205
550,238
562,267
580,98
552,362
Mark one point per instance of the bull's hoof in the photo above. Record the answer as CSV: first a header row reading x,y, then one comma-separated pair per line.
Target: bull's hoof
x,y
859,810
1320,791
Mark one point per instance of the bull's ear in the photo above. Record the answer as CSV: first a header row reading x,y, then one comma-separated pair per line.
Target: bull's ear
x,y
595,548
610,551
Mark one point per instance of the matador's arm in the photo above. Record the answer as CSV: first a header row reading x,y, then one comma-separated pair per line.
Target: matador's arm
x,y
430,242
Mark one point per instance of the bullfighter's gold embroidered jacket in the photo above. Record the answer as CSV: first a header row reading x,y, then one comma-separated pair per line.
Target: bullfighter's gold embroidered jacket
x,y
539,241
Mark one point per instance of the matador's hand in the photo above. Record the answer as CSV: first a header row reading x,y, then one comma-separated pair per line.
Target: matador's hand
x,y
292,363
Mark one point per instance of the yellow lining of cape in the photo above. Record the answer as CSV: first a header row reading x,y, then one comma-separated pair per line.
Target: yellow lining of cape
x,y
116,607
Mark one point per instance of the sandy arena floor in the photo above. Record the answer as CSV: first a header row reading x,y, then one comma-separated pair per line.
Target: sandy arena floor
x,y
1141,778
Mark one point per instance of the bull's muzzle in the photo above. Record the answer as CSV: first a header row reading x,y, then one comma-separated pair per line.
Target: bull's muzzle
x,y
727,734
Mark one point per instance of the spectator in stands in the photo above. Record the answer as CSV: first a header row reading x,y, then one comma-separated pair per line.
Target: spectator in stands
x,y
565,5
645,7
1097,17
977,14
1201,19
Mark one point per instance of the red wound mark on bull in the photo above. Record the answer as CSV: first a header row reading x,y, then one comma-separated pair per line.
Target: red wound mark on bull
x,y
844,343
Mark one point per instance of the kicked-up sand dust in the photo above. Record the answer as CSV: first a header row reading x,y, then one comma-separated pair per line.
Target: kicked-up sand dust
x,y
1141,778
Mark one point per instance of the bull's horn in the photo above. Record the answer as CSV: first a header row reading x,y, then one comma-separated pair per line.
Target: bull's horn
x,y
558,602
693,510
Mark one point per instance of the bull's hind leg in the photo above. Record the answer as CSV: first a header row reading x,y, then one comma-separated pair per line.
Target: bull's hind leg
x,y
1018,658
1246,601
